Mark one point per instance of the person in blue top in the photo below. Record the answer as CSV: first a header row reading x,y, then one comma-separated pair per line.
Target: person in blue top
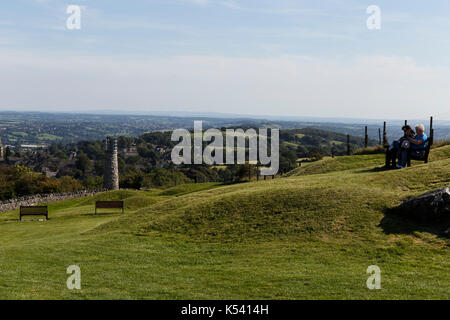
x,y
414,147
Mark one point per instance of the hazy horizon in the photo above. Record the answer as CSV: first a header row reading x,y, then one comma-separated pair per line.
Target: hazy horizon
x,y
255,58
217,115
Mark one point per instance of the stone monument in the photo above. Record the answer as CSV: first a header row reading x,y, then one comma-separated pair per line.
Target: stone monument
x,y
111,171
2,150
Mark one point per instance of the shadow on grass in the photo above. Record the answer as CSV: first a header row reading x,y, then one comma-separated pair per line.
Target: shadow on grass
x,y
102,213
395,223
376,169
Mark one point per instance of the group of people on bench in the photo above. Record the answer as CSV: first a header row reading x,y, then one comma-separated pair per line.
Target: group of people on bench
x,y
411,146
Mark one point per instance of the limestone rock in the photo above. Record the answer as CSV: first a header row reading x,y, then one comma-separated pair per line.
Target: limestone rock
x,y
431,206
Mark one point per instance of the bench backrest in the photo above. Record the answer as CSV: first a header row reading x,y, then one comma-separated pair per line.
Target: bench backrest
x,y
109,204
24,210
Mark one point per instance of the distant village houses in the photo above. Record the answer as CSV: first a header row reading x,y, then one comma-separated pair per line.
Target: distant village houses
x,y
130,151
32,147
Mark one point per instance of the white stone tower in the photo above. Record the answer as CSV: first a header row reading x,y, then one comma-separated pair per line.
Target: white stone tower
x,y
2,151
111,171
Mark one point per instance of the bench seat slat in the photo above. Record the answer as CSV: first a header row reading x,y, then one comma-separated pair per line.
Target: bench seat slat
x,y
109,204
33,211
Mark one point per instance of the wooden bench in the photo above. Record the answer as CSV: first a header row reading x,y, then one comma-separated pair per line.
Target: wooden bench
x,y
109,205
33,211
426,150
425,155
411,156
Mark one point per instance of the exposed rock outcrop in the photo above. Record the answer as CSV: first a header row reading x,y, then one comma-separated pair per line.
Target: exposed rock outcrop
x,y
431,206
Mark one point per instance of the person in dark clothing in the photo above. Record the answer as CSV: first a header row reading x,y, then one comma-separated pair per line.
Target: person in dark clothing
x,y
394,148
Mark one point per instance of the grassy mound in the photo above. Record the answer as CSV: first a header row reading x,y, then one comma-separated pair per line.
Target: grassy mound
x,y
440,152
338,164
276,213
289,207
188,188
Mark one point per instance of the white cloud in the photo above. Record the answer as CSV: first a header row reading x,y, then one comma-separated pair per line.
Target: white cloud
x,y
375,87
231,4
198,2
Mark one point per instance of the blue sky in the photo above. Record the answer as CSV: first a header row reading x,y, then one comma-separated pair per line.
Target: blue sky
x,y
284,57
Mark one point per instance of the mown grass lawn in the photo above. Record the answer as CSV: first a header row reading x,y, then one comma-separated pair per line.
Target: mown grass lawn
x,y
309,236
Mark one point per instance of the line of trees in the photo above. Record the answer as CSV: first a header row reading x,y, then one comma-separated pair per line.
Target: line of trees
x,y
22,181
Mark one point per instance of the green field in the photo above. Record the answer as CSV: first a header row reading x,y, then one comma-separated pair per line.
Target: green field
x,y
311,235
48,137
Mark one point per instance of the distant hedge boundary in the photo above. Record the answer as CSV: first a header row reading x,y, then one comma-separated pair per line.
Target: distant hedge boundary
x,y
14,204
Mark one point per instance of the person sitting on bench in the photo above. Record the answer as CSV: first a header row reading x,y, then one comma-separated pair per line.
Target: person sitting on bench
x,y
394,148
415,149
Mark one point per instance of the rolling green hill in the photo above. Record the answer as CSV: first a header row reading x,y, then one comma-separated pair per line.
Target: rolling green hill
x,y
311,235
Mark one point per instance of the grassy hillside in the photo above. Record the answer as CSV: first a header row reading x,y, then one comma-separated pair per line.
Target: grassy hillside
x,y
308,236
362,162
